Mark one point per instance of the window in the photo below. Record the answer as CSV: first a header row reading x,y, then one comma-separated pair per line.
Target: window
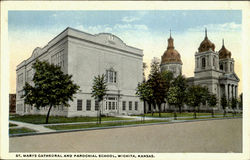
x,y
124,105
136,106
213,61
58,59
29,75
221,67
96,105
130,105
203,61
79,105
111,76
231,67
20,78
21,93
88,105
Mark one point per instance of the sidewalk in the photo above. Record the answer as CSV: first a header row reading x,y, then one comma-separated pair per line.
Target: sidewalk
x,y
38,128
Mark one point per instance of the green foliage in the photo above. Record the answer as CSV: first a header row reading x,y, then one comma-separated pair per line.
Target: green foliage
x,y
51,87
212,100
173,95
224,102
181,83
196,95
144,91
241,101
234,103
99,88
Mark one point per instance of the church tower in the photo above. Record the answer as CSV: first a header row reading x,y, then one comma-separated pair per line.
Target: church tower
x,y
226,62
207,66
171,59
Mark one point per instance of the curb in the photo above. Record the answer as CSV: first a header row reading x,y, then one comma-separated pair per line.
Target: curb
x,y
111,127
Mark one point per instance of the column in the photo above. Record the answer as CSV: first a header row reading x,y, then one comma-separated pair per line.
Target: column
x,y
229,92
226,91
232,90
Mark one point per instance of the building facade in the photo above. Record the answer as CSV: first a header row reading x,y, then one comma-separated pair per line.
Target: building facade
x,y
84,56
215,70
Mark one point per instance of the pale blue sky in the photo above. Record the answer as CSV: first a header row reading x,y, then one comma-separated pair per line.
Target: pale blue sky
x,y
156,21
147,30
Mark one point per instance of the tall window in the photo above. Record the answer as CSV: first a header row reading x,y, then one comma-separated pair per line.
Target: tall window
x,y
221,67
88,105
20,78
130,105
111,76
29,75
203,61
58,59
136,106
96,105
79,105
124,105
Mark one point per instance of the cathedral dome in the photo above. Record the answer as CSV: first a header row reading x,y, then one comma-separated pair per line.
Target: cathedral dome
x,y
223,52
171,55
206,44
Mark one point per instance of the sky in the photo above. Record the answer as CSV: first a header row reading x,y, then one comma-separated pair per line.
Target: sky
x,y
144,29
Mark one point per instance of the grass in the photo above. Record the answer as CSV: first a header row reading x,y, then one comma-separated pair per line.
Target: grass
x,y
80,126
12,125
40,119
20,130
184,114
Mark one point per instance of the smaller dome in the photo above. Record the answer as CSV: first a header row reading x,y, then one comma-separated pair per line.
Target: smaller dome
x,y
206,44
223,52
171,55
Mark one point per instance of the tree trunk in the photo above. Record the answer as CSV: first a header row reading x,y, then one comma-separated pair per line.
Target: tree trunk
x,y
179,108
144,106
47,117
159,107
212,112
175,115
195,113
100,117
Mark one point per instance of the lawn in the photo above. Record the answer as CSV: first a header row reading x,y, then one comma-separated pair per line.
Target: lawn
x,y
80,126
184,114
12,125
40,119
20,130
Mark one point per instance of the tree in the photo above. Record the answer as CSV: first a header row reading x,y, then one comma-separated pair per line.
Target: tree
x,y
212,101
181,83
51,87
99,90
224,103
157,84
234,104
196,95
145,93
172,97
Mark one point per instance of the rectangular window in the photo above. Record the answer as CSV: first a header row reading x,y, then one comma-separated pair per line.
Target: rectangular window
x,y
58,59
29,75
96,105
88,105
111,76
109,105
136,106
124,105
20,78
79,105
130,105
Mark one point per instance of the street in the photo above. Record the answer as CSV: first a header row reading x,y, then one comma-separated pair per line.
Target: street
x,y
200,136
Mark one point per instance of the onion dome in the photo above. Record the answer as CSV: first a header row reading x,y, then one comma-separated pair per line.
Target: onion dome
x,y
223,52
171,55
206,44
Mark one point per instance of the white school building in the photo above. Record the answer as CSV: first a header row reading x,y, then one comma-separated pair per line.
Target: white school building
x,y
84,56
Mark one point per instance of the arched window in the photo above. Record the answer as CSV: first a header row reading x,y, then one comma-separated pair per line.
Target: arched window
x,y
203,62
111,76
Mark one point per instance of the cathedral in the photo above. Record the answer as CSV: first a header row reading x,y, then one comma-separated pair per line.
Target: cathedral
x,y
213,69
